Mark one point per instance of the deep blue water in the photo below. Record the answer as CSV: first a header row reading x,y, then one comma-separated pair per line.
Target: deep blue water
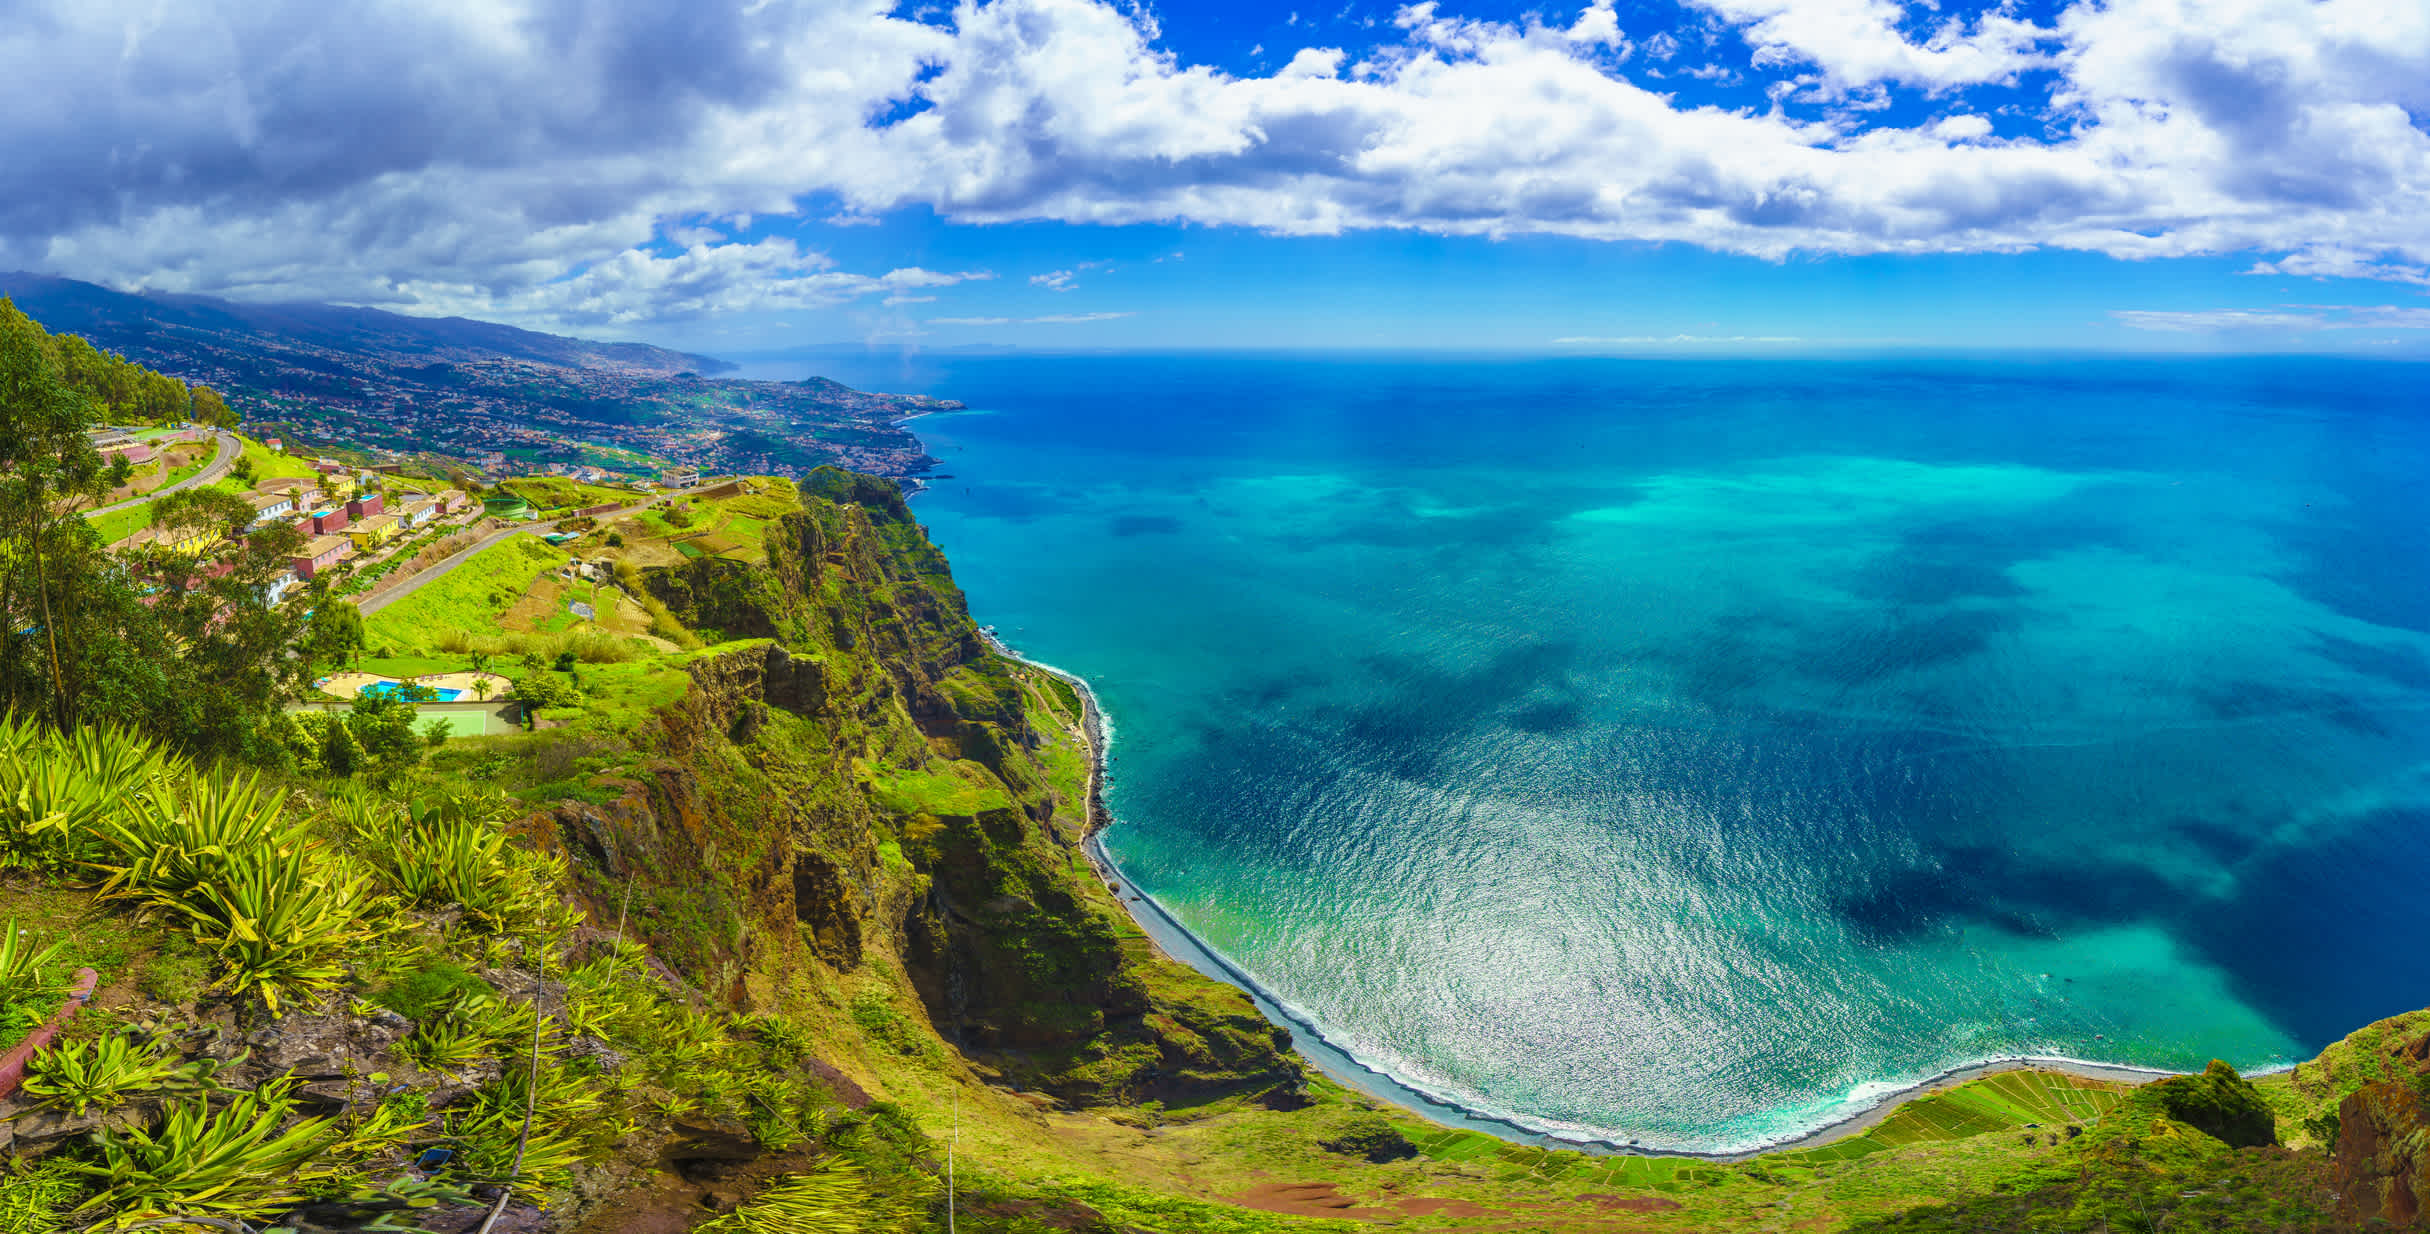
x,y
1685,751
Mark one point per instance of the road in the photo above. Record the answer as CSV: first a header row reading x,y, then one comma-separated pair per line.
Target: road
x,y
229,448
447,565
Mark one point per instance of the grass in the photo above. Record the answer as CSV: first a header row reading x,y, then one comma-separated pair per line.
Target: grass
x,y
471,599
268,464
119,524
957,787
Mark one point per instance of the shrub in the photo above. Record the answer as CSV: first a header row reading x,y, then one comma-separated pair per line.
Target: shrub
x,y
29,979
428,990
834,1199
231,1162
109,1071
2222,1104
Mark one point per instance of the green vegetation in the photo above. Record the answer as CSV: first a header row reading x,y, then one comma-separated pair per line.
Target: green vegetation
x,y
148,639
789,882
473,598
111,1070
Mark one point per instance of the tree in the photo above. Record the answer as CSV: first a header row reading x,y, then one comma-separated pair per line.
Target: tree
x,y
337,632
47,463
243,470
209,408
179,640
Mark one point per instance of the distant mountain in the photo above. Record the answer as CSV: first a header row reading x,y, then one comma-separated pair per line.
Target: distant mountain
x,y
109,317
329,376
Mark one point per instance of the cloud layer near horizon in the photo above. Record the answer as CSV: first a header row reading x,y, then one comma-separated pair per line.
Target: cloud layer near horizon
x,y
552,160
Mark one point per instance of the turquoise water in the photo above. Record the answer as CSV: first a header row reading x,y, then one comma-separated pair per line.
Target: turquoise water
x,y
386,689
1689,752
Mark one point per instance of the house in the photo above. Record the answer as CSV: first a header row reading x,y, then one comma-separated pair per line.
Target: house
x,y
365,506
453,500
182,540
276,446
328,466
270,507
419,513
329,522
680,477
375,531
277,588
319,554
341,486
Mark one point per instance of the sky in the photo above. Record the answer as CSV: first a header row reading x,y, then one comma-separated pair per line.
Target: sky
x,y
1625,175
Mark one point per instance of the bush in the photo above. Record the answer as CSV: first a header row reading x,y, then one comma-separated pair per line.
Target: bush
x,y
421,994
1368,1135
2222,1104
543,690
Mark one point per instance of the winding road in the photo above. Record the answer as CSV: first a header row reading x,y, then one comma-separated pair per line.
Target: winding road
x,y
229,447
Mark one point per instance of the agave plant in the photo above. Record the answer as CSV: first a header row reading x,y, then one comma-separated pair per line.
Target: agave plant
x,y
169,846
28,967
110,1071
237,1161
444,1045
280,922
54,790
834,1199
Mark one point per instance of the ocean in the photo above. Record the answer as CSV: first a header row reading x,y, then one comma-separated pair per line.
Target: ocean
x,y
1687,752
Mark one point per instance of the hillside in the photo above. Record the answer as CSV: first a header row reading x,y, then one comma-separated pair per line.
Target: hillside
x,y
838,836
328,375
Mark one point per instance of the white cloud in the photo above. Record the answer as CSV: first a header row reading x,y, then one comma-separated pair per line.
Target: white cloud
x,y
2333,262
1054,280
2286,317
524,158
1858,43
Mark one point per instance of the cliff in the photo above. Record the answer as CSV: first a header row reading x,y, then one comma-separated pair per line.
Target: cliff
x,y
869,784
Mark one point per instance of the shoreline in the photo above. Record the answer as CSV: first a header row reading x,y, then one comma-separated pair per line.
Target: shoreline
x,y
1176,942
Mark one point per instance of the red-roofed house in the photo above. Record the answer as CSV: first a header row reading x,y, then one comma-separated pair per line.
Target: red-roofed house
x,y
319,554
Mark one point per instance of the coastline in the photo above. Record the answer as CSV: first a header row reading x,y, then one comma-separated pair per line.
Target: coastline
x,y
1176,942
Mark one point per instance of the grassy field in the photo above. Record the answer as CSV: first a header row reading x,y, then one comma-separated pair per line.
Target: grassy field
x,y
471,599
120,524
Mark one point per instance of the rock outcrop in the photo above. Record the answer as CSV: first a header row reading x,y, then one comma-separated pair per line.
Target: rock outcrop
x,y
2383,1142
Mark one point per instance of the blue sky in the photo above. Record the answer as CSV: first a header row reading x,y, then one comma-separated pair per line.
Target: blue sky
x,y
1078,174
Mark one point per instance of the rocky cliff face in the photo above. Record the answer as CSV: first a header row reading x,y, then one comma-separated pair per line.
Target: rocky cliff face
x,y
2383,1141
872,784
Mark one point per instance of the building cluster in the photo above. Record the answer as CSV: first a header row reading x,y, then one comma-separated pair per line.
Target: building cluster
x,y
340,516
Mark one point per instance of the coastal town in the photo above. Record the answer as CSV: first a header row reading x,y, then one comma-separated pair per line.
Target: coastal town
x,y
438,394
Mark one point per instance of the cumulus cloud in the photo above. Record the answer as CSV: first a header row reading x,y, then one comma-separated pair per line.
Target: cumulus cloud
x,y
551,159
1858,44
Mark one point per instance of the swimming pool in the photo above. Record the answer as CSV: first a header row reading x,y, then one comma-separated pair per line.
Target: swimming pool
x,y
386,689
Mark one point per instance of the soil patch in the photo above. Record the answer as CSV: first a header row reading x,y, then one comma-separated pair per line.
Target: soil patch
x,y
1308,1200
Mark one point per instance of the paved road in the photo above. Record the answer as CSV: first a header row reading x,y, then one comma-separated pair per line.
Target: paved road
x,y
448,565
220,462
